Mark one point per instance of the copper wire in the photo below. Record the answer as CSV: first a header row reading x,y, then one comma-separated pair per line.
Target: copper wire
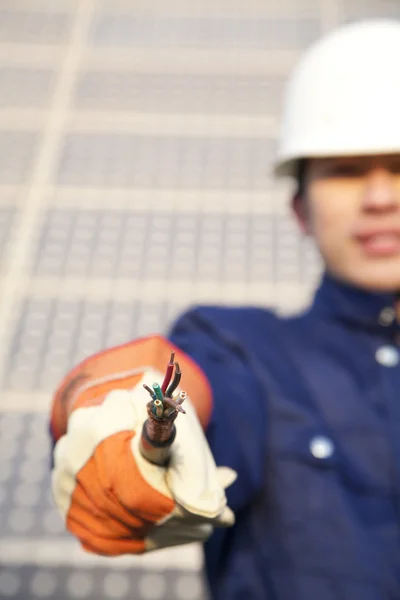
x,y
168,374
175,382
159,430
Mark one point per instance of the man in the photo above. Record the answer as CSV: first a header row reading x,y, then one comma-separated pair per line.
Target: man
x,y
301,414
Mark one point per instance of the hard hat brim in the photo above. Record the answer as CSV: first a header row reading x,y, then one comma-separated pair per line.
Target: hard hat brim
x,y
288,166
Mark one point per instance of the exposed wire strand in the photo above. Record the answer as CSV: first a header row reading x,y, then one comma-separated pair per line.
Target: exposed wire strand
x,y
168,374
158,391
175,382
151,392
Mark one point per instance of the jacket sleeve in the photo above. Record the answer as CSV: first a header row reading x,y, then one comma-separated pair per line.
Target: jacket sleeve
x,y
236,431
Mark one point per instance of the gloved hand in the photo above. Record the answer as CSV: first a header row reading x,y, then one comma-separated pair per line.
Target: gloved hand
x,y
115,501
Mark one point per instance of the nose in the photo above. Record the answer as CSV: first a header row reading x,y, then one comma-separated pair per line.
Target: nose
x,y
380,192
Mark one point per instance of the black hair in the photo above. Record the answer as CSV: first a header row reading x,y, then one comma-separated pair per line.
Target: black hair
x,y
301,178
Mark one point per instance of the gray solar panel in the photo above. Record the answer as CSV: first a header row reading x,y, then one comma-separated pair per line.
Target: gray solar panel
x,y
136,139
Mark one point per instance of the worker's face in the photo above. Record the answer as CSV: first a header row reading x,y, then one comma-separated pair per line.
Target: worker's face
x,y
352,209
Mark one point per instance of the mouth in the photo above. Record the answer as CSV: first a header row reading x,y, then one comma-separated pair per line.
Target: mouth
x,y
380,243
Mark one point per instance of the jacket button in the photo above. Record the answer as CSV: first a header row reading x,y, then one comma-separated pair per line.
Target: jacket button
x,y
321,447
388,356
387,316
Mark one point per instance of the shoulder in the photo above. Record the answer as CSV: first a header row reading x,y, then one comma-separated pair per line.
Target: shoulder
x,y
238,337
232,337
228,322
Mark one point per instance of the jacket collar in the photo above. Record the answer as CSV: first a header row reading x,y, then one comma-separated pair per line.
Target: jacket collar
x,y
341,301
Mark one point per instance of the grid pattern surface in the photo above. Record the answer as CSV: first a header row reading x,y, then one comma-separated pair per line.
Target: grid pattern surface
x,y
213,93
160,246
109,159
136,143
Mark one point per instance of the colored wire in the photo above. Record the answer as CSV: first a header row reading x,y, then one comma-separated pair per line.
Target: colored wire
x,y
175,382
182,397
157,408
152,394
174,405
168,374
158,391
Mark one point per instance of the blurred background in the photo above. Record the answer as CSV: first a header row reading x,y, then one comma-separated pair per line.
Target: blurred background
x,y
136,143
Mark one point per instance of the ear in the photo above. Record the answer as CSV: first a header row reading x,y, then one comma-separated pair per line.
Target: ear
x,y
299,207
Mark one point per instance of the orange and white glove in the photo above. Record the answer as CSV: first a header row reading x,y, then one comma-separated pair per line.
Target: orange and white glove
x,y
114,500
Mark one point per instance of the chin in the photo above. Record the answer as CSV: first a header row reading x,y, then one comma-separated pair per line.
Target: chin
x,y
375,278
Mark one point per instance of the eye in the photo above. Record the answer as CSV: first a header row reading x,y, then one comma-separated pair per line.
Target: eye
x,y
394,166
346,170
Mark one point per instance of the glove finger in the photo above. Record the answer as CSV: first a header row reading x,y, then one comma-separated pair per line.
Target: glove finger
x,y
226,476
225,519
192,474
176,534
105,547
182,516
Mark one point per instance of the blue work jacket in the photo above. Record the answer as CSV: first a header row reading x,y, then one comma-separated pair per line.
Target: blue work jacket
x,y
307,411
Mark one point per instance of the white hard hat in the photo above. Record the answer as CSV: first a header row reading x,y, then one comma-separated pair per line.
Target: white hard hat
x,y
343,97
